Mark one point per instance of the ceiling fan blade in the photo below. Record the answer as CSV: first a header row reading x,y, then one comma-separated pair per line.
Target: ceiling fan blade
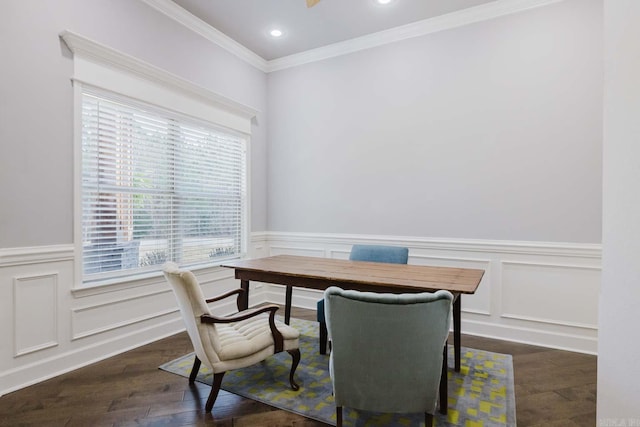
x,y
311,3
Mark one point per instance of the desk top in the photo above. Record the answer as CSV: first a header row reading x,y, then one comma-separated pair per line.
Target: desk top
x,y
320,273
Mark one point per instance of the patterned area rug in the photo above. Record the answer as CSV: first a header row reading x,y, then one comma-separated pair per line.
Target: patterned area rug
x,y
481,394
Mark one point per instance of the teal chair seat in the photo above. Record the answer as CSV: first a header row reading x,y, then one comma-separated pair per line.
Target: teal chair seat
x,y
371,253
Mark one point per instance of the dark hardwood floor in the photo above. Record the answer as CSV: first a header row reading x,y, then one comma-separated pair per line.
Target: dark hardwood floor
x,y
553,388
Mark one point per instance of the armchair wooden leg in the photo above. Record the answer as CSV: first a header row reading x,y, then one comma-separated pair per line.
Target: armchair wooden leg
x,y
444,380
428,420
295,354
194,370
338,416
323,338
215,388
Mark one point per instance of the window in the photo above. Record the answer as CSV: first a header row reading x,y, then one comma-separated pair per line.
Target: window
x,y
156,186
160,168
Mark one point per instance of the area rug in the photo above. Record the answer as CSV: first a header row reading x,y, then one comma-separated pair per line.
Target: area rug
x,y
481,394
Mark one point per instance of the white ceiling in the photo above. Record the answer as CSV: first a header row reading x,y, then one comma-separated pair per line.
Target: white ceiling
x,y
248,22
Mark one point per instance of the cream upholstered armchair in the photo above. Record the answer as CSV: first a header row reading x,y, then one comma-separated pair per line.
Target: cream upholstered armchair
x,y
231,342
388,351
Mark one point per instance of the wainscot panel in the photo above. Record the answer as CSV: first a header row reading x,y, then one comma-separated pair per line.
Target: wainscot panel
x,y
561,294
35,330
53,327
532,292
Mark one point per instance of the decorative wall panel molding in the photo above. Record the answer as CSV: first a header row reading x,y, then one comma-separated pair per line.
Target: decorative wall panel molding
x,y
98,318
78,328
35,308
52,327
532,292
553,293
478,303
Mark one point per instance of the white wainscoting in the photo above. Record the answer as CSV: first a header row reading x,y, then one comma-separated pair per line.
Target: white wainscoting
x,y
539,293
50,326
532,292
35,330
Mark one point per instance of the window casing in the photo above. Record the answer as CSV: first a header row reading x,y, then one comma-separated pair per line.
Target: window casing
x,y
198,208
156,186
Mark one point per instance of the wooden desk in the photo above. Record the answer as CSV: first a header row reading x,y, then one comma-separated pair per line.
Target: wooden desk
x,y
320,273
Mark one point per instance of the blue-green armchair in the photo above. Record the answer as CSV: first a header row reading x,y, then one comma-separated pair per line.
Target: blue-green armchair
x,y
388,351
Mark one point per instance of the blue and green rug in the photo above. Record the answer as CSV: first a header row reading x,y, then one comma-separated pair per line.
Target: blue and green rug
x,y
480,395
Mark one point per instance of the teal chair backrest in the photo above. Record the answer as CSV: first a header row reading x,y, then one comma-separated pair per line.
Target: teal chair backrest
x,y
378,253
387,350
371,253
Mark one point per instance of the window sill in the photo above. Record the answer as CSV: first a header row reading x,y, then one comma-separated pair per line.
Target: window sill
x,y
139,280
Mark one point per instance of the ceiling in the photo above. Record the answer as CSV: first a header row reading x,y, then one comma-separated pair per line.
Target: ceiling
x,y
248,22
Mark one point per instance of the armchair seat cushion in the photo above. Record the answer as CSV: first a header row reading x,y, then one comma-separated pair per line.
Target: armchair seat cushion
x,y
250,336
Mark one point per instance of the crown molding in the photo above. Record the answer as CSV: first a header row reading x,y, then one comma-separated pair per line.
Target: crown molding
x,y
210,33
420,28
416,29
97,52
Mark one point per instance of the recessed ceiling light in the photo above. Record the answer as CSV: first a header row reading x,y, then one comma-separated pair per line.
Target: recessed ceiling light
x,y
276,33
384,1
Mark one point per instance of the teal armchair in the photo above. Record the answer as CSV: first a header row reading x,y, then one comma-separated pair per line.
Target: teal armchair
x,y
371,253
388,351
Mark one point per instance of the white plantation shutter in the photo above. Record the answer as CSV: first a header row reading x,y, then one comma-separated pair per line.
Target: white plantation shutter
x,y
156,187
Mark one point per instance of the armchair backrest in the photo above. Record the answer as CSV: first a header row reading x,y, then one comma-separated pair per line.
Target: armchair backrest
x,y
192,305
379,253
387,348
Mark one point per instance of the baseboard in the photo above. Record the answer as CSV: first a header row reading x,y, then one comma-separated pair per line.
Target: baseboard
x,y
42,370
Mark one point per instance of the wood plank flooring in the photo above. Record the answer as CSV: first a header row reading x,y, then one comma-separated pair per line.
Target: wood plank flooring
x,y
553,388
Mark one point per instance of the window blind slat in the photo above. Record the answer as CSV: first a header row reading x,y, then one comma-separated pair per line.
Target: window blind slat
x,y
156,187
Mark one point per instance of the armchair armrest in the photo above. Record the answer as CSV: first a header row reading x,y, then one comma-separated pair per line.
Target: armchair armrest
x,y
238,291
278,339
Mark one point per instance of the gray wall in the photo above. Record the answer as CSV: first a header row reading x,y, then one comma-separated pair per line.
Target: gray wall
x,y
489,131
36,104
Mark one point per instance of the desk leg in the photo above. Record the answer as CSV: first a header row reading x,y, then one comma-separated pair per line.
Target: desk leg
x,y
457,305
287,304
244,284
444,379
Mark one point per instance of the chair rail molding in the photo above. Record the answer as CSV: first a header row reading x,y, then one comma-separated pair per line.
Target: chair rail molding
x,y
34,255
541,293
583,250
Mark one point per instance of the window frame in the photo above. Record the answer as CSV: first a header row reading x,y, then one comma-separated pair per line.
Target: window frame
x,y
101,68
